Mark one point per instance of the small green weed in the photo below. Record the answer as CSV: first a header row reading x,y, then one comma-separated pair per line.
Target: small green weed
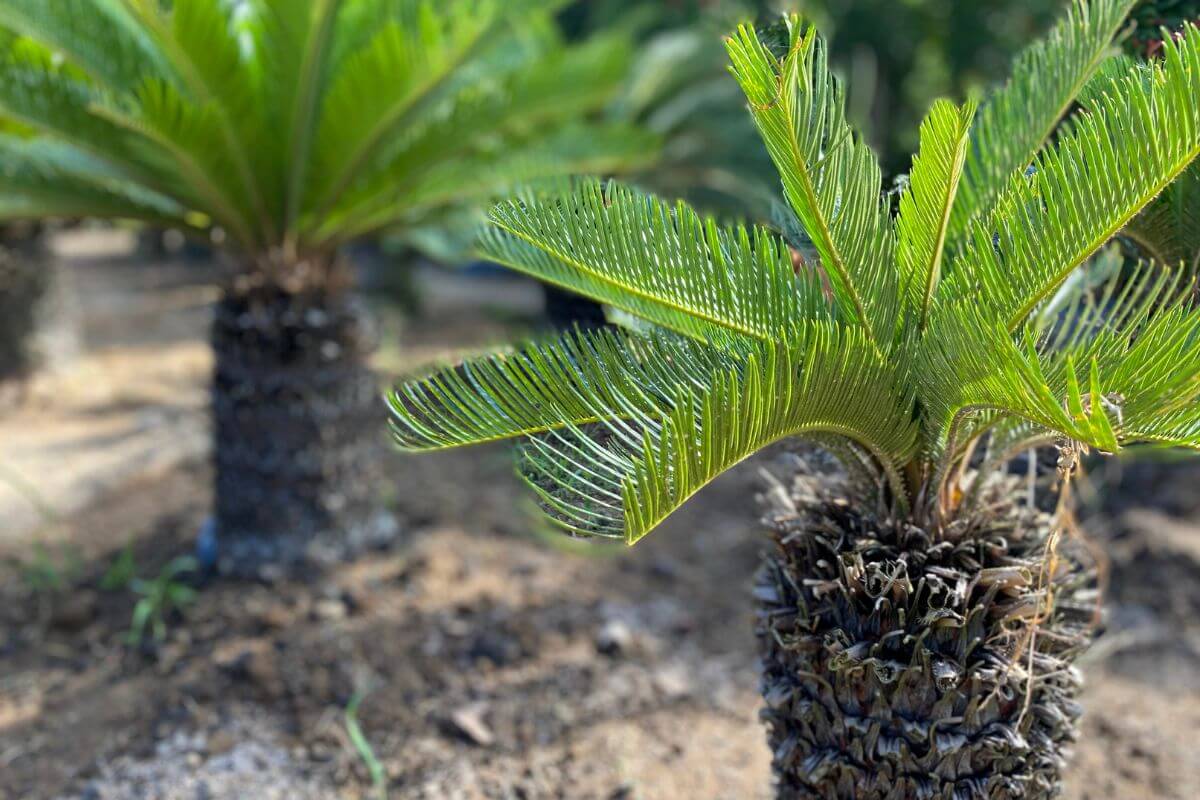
x,y
159,598
379,789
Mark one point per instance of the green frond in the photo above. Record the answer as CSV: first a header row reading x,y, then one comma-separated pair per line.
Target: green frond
x,y
582,378
1019,119
484,177
1169,230
297,125
500,132
925,205
1155,379
205,70
53,99
970,365
189,138
49,178
1118,364
830,176
663,264
218,72
293,39
622,478
386,84
97,36
1109,164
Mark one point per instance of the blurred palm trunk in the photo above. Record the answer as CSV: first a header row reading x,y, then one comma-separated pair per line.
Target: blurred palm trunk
x,y
298,427
39,317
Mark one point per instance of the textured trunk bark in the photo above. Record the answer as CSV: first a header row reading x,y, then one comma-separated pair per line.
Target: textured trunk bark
x,y
23,285
298,424
898,664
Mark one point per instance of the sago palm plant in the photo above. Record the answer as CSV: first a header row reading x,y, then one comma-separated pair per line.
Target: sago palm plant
x,y
283,129
918,618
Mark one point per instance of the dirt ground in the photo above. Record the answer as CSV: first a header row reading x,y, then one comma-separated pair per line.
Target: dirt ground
x,y
493,662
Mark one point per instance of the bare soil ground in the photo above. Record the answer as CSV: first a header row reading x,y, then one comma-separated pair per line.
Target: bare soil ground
x,y
496,663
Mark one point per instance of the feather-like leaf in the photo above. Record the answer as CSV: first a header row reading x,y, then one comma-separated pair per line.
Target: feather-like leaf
x,y
1019,119
582,378
623,479
662,263
830,176
1110,164
925,205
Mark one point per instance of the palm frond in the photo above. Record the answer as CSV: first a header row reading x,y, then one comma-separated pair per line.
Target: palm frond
x,y
1117,365
56,179
925,205
54,99
477,179
190,140
497,133
295,126
383,86
293,39
623,479
667,265
197,39
1019,119
1110,164
582,378
830,176
97,36
1169,230
971,365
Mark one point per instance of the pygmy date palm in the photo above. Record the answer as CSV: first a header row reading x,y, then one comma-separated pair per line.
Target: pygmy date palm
x,y
291,127
918,619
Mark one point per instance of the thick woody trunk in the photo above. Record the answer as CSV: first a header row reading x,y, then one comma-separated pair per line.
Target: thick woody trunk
x,y
23,285
39,317
901,664
298,427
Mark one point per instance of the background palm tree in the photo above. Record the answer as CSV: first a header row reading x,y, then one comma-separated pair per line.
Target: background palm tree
x,y
919,614
23,286
282,129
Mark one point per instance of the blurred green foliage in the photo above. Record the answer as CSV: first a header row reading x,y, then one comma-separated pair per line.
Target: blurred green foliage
x,y
895,56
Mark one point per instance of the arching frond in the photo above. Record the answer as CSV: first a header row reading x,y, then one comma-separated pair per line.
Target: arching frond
x,y
499,132
294,126
623,479
64,181
1169,230
582,378
570,150
1120,364
925,205
385,84
1019,119
97,36
55,100
207,79
970,364
293,39
662,263
830,176
189,136
1110,164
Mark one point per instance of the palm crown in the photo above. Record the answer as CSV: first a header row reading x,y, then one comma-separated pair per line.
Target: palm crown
x,y
909,338
294,125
